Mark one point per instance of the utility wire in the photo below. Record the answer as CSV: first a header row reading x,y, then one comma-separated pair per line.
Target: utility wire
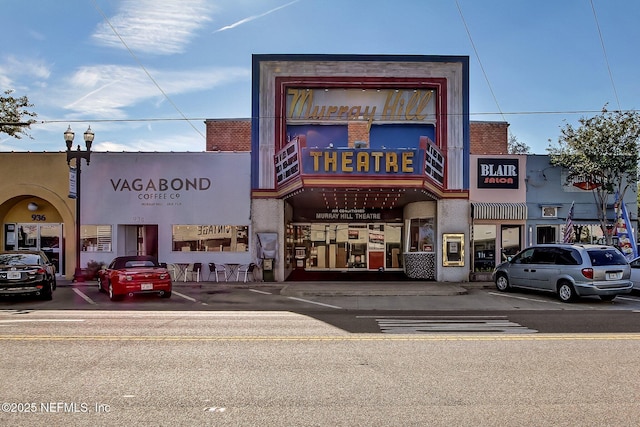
x,y
479,61
146,71
604,51
174,119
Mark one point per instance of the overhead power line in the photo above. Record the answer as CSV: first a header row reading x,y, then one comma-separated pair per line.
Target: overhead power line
x,y
604,51
177,119
146,71
478,58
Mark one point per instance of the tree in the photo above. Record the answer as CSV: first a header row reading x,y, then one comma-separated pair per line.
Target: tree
x,y
14,116
516,147
602,152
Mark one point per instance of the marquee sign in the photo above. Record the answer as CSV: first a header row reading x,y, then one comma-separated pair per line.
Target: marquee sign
x,y
379,105
362,161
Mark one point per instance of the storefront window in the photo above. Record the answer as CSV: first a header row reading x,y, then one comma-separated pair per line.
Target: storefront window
x,y
95,238
484,247
331,246
510,240
546,234
588,233
421,235
210,238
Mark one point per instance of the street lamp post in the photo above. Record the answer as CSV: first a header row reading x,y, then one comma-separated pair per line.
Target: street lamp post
x,y
78,155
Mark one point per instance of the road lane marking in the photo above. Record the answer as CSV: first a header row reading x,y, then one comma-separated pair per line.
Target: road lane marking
x,y
344,338
314,302
260,292
449,324
84,296
39,320
184,296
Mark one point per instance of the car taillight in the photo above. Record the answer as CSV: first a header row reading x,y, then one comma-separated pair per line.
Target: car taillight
x,y
588,273
41,271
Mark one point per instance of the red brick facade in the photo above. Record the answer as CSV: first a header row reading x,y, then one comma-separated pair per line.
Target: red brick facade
x,y
235,135
488,137
228,135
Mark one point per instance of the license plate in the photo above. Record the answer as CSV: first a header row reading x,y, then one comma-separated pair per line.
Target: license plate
x,y
613,276
13,275
146,286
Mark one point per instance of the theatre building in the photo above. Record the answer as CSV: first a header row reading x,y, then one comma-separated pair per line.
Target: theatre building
x,y
361,163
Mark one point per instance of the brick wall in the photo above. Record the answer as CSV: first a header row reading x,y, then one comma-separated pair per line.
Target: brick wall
x,y
228,135
488,137
235,135
357,131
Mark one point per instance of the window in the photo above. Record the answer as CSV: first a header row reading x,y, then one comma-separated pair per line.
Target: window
x,y
96,238
421,235
549,211
484,247
210,238
546,234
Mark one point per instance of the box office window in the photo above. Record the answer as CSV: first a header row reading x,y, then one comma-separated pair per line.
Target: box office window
x,y
96,238
210,238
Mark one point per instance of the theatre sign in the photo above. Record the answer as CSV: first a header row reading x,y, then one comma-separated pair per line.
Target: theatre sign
x,y
372,132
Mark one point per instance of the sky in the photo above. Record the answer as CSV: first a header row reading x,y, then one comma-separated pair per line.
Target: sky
x,y
146,74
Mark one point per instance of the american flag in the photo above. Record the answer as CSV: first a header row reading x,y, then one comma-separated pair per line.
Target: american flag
x,y
569,235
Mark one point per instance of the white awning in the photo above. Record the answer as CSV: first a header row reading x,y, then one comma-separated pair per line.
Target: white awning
x,y
499,210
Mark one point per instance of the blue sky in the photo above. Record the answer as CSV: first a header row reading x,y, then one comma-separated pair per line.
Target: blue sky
x,y
170,64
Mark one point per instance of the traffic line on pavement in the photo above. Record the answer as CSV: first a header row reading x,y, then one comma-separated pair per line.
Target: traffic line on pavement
x,y
497,294
314,302
336,338
449,324
84,296
184,296
260,292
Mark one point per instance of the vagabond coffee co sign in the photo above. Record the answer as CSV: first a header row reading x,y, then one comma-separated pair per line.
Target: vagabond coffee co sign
x,y
498,173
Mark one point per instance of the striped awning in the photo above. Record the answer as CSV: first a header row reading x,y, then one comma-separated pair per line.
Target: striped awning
x,y
499,210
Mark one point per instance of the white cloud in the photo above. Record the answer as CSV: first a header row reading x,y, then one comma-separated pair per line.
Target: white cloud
x,y
15,68
107,91
152,26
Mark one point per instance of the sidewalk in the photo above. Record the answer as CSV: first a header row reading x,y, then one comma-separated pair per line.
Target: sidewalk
x,y
351,288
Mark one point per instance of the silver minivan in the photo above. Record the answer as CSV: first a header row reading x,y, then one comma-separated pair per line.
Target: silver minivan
x,y
570,270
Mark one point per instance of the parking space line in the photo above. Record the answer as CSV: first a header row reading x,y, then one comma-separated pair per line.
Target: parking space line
x,y
313,302
628,299
260,292
523,298
84,296
184,296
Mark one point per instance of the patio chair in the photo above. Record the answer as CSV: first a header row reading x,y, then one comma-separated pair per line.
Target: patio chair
x,y
246,269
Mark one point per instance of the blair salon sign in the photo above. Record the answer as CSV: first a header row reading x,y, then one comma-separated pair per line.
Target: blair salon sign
x,y
498,173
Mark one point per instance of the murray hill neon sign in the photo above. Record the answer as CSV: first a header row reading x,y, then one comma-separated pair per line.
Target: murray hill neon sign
x,y
386,105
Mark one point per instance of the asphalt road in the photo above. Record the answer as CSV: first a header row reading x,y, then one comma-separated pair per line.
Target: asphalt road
x,y
479,310
282,368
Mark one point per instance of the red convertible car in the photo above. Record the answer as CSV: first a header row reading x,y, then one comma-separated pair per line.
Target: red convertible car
x,y
129,275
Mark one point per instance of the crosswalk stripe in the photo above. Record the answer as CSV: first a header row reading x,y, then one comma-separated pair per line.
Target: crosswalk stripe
x,y
391,325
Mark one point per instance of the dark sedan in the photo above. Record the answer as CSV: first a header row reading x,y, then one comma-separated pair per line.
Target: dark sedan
x,y
129,275
25,272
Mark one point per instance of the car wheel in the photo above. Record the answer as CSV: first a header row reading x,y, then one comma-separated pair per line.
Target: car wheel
x,y
47,292
566,292
166,294
55,283
100,289
502,283
112,296
607,297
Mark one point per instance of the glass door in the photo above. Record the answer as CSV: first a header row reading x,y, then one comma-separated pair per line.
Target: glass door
x,y
44,237
50,237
